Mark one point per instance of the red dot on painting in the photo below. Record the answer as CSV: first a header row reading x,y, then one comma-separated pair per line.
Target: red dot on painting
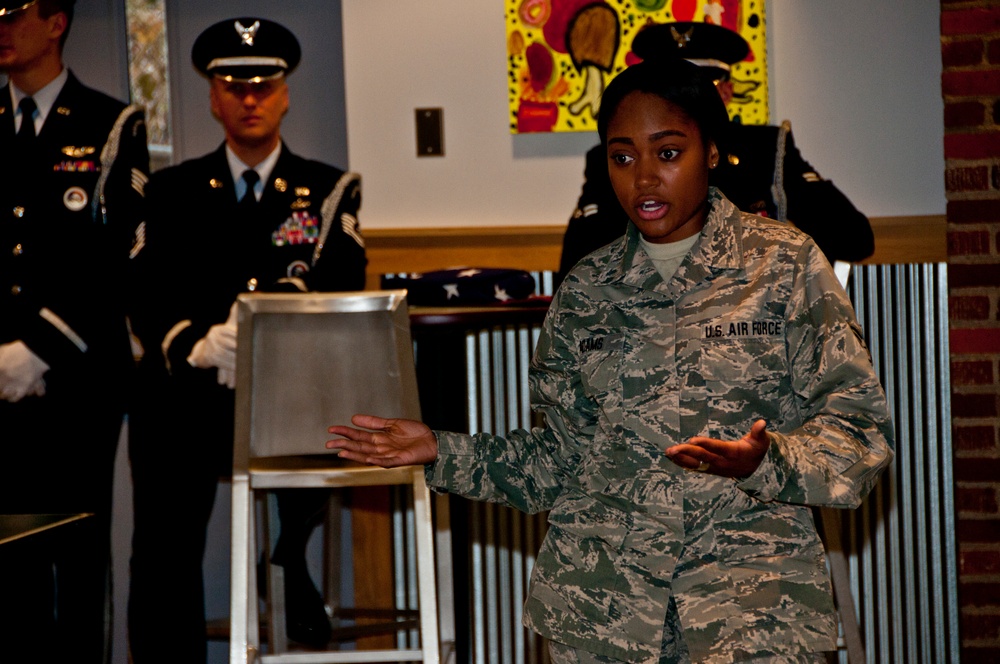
x,y
683,10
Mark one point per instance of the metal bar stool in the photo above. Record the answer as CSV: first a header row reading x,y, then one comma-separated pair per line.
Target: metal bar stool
x,y
305,361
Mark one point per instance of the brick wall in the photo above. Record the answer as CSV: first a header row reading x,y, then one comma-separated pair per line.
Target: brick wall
x,y
970,85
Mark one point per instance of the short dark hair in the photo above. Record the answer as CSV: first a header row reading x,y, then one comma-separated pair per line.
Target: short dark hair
x,y
47,8
680,83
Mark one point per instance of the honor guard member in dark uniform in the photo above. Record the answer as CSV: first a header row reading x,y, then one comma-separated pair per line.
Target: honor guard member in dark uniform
x,y
73,166
249,216
762,172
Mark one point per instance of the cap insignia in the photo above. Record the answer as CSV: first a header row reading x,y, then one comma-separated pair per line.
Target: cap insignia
x,y
682,38
247,34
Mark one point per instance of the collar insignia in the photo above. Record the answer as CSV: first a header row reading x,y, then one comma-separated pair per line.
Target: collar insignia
x,y
247,34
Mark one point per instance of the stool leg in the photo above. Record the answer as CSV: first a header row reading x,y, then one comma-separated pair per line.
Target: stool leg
x,y
445,589
277,633
253,617
241,581
427,586
333,530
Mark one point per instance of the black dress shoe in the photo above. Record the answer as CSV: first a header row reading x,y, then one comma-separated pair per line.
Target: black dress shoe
x,y
306,620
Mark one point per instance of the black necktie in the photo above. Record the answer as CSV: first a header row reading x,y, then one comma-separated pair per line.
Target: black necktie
x,y
249,200
27,108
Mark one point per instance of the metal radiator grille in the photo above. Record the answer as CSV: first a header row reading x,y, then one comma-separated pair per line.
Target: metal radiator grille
x,y
502,541
900,544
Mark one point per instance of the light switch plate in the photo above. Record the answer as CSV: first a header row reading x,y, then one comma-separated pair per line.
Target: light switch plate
x,y
430,132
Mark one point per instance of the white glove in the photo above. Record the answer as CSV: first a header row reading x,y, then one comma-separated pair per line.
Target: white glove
x,y
21,372
227,377
218,349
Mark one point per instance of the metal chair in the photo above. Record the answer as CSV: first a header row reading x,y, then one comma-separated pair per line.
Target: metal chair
x,y
305,361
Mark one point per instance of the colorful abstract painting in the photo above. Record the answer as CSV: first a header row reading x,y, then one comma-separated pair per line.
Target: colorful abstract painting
x,y
561,54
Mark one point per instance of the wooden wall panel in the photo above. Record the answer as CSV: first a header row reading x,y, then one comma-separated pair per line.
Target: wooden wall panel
x,y
918,239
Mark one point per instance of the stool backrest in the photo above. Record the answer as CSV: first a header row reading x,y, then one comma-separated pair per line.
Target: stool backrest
x,y
306,361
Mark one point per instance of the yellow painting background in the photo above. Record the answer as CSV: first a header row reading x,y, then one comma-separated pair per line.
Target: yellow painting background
x,y
559,102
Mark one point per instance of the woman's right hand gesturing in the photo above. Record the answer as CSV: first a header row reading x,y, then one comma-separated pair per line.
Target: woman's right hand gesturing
x,y
384,442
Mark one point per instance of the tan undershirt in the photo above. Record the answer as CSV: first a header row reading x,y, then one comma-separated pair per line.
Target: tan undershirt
x,y
667,257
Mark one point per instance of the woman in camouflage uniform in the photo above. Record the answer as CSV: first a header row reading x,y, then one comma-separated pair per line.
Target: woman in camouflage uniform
x,y
704,382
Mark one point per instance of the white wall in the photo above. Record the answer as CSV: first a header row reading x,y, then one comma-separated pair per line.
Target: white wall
x,y
859,80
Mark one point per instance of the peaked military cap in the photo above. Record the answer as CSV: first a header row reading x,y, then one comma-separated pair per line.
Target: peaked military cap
x,y
246,49
8,7
704,44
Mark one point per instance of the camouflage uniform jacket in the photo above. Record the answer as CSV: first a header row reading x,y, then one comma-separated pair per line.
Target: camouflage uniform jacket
x,y
753,325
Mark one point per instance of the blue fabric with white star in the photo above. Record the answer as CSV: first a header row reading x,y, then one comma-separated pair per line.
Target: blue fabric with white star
x,y
467,286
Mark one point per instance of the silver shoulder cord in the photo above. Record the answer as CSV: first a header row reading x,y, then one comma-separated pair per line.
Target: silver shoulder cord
x,y
778,186
109,153
329,208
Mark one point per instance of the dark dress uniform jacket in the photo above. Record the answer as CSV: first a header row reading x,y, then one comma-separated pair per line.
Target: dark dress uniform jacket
x,y
70,207
748,176
202,249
